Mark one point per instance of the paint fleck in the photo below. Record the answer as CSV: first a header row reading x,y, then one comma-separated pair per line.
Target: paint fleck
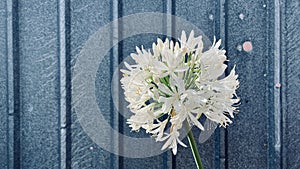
x,y
247,46
211,17
239,48
277,85
241,16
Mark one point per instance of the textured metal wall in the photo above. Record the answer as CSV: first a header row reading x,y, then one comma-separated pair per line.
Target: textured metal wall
x,y
39,43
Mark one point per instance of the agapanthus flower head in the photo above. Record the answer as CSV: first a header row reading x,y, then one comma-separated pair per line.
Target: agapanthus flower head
x,y
178,82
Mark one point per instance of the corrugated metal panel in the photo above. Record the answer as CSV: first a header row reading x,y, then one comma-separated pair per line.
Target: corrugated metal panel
x,y
39,45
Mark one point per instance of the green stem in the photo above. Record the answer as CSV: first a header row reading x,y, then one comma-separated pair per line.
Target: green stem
x,y
193,145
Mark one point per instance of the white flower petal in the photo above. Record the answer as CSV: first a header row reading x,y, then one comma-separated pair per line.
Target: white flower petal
x,y
189,88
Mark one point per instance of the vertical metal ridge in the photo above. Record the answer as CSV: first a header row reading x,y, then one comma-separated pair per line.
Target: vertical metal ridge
x,y
277,76
62,83
63,33
277,79
274,69
270,87
9,40
9,84
168,21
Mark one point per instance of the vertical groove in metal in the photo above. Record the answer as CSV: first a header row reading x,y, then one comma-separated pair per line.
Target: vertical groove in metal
x,y
173,12
173,31
217,32
167,30
219,136
120,54
9,84
16,83
62,83
277,80
283,67
68,83
217,149
226,47
114,62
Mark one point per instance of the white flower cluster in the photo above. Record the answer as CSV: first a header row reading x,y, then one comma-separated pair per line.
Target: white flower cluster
x,y
177,82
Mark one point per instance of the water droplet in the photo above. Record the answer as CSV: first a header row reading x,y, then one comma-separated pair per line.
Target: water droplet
x,y
247,46
239,48
242,16
211,16
91,148
277,85
265,75
264,5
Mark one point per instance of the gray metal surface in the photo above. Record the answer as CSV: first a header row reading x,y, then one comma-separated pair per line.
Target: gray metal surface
x,y
4,160
38,85
41,40
248,135
291,85
86,17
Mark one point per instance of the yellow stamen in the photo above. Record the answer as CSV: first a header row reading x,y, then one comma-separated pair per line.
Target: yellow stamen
x,y
138,91
172,115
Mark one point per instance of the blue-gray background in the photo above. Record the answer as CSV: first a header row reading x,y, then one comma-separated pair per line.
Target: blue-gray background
x,y
39,43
